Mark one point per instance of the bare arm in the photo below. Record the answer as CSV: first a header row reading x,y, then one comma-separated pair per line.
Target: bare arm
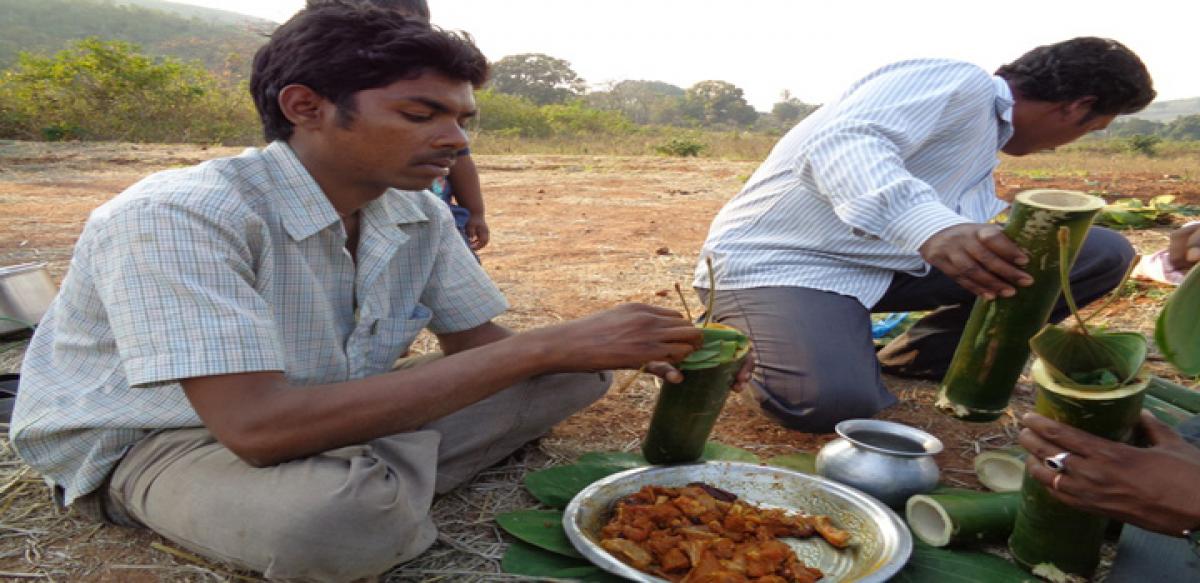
x,y
464,183
265,421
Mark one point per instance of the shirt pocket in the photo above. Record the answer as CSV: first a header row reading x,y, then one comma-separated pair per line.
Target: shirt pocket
x,y
392,336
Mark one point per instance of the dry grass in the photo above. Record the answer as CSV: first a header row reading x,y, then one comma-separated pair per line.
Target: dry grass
x,y
572,234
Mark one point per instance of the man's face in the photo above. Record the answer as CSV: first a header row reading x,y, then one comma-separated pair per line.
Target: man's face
x,y
1046,126
403,135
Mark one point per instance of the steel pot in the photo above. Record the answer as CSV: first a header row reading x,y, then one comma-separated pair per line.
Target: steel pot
x,y
890,461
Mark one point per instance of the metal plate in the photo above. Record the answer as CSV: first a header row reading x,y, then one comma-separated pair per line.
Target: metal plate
x,y
880,543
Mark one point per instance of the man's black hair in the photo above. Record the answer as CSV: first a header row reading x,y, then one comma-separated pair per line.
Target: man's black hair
x,y
340,47
414,8
1083,67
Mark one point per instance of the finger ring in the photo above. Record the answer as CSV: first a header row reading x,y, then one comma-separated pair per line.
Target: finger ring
x,y
1057,462
1054,482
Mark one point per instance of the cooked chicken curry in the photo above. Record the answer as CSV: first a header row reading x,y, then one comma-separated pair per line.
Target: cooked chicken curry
x,y
701,534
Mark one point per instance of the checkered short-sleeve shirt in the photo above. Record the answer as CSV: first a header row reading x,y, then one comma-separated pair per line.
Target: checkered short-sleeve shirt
x,y
235,265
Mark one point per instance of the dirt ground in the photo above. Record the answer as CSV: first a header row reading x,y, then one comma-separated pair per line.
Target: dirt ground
x,y
570,235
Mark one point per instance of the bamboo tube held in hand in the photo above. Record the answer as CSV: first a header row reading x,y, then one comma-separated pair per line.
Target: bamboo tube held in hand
x,y
995,342
1049,535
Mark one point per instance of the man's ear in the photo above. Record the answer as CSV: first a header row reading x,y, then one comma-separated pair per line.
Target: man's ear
x,y
302,106
1079,110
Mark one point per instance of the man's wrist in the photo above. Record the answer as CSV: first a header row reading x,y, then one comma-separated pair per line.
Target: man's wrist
x,y
542,349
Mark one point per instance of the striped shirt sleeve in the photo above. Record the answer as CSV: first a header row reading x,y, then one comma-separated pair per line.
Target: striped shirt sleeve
x,y
858,160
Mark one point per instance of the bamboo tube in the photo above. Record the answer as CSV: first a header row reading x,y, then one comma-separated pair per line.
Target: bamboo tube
x,y
1164,411
686,412
1178,395
962,517
1048,535
1001,470
995,342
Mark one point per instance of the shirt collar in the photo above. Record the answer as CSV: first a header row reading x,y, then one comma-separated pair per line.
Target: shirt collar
x,y
305,208
1004,109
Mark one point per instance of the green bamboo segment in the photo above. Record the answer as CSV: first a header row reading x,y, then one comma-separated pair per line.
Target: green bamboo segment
x,y
962,517
1050,536
1175,394
1001,470
995,343
686,412
1164,411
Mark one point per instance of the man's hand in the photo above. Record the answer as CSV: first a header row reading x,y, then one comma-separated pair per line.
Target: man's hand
x,y
628,336
478,233
978,257
1184,250
1153,487
664,370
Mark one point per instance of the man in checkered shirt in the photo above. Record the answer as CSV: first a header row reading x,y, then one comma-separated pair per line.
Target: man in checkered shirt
x,y
218,366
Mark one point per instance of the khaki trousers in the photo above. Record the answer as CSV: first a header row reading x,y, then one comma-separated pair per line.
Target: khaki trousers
x,y
344,514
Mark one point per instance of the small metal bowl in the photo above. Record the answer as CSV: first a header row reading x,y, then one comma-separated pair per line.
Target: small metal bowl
x,y
880,542
26,292
888,460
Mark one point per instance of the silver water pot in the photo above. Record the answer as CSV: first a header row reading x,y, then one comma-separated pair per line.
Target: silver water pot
x,y
887,460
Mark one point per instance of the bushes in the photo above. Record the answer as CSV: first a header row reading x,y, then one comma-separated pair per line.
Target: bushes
x,y
514,116
1145,145
682,147
577,119
510,115
107,90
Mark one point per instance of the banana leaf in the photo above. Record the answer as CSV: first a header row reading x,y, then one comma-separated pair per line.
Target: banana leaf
x,y
1082,357
540,528
624,459
1093,360
933,565
528,560
1177,331
722,344
804,462
719,452
1131,213
556,486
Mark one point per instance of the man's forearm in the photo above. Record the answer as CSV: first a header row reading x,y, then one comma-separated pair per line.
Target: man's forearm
x,y
265,421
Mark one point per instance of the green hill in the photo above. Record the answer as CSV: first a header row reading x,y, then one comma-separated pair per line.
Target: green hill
x,y
1166,111
202,13
223,41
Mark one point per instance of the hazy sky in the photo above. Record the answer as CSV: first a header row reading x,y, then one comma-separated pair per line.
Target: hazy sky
x,y
813,49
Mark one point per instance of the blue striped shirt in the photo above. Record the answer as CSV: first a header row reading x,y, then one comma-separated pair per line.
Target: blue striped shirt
x,y
235,265
851,193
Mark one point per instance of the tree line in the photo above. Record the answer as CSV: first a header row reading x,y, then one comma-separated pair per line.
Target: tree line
x,y
111,90
546,80
1181,128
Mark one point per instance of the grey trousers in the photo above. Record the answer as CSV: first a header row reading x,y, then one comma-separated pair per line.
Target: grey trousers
x,y
817,363
345,514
